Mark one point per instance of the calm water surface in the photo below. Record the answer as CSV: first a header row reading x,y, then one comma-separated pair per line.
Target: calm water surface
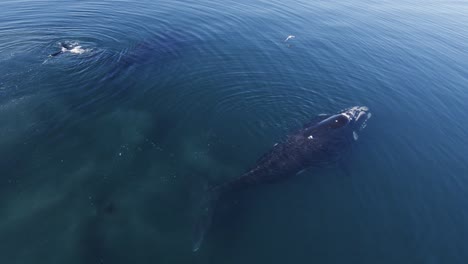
x,y
105,151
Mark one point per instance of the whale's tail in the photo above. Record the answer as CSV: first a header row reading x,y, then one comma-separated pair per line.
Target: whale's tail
x,y
203,220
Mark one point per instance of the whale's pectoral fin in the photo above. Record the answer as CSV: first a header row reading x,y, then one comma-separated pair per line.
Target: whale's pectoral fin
x,y
203,221
300,172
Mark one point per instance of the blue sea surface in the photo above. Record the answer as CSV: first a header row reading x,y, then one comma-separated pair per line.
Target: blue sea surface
x,y
106,148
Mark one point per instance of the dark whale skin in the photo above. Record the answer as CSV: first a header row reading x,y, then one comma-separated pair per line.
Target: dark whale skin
x,y
317,143
306,148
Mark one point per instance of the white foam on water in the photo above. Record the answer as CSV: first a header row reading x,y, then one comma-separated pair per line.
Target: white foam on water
x,y
78,50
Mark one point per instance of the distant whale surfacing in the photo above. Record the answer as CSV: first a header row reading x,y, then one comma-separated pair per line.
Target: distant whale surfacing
x,y
318,142
68,47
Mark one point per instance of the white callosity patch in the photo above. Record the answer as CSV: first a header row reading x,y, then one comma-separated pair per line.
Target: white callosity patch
x,y
310,137
357,113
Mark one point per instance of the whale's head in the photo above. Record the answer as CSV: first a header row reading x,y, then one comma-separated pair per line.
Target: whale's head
x,y
342,126
357,117
333,134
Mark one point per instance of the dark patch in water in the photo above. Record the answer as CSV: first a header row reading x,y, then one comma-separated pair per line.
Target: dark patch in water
x,y
158,50
109,208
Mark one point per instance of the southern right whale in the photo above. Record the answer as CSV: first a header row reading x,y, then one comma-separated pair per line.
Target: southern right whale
x,y
156,51
319,142
63,48
67,46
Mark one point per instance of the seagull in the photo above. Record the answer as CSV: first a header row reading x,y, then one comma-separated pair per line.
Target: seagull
x,y
289,37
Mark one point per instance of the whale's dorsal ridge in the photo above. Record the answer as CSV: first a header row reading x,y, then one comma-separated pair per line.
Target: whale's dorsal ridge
x,y
316,120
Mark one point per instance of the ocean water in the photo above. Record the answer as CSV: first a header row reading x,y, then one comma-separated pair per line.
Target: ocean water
x,y
105,150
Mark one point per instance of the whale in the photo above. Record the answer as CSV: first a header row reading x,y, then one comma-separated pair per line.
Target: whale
x,y
63,48
157,51
319,142
71,47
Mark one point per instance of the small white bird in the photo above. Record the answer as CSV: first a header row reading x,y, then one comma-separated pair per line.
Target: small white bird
x,y
289,37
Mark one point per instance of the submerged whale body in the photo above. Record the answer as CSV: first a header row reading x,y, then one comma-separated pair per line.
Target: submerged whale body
x,y
319,142
157,51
